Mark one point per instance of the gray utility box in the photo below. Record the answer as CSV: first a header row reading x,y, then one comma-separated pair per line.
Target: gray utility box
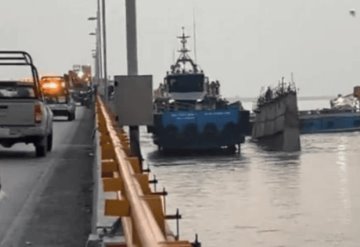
x,y
133,100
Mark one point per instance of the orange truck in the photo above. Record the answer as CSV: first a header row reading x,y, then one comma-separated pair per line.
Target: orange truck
x,y
56,91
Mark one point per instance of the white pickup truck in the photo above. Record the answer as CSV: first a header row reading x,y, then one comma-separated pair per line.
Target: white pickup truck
x,y
24,117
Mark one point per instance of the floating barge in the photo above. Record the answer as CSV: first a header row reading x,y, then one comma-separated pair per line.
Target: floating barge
x,y
342,116
276,121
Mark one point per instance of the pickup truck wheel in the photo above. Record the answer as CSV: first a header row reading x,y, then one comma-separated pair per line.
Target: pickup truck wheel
x,y
49,142
41,148
71,116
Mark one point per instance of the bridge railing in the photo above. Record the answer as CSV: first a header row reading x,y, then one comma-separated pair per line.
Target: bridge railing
x,y
138,210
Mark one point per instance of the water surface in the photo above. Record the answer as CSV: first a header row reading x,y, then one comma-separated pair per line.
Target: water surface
x,y
259,198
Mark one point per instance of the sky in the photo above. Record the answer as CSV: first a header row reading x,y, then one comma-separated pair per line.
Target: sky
x,y
245,44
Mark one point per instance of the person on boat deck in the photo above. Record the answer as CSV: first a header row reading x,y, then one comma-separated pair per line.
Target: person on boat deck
x,y
161,89
212,88
207,87
268,94
289,88
217,87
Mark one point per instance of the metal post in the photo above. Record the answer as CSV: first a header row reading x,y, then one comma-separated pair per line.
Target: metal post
x,y
132,66
131,37
104,50
98,63
98,33
95,55
99,54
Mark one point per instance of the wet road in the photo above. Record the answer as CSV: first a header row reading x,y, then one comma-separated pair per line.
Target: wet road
x,y
310,198
27,180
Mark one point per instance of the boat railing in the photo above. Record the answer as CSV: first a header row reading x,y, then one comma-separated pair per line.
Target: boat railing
x,y
169,105
275,93
326,111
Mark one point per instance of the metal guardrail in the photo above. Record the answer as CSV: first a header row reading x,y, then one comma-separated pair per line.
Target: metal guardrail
x,y
140,210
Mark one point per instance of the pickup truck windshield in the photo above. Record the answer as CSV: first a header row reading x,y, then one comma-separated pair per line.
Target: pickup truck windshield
x,y
55,99
16,90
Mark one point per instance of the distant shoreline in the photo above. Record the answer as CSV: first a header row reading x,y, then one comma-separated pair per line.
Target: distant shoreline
x,y
303,98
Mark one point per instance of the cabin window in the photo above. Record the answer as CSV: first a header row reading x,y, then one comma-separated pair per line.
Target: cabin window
x,y
16,90
56,99
187,83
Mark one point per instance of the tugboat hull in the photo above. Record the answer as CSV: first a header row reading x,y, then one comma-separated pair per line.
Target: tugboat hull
x,y
200,130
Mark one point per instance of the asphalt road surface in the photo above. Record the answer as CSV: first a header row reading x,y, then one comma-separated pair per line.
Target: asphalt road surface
x,y
48,200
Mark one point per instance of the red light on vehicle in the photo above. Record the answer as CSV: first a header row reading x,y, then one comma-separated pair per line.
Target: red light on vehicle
x,y
37,113
50,85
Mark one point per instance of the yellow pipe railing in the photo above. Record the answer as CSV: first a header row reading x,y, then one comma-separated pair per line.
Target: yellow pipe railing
x,y
141,210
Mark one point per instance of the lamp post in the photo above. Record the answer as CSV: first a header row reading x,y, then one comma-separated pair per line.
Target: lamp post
x,y
103,15
132,62
101,44
96,56
94,53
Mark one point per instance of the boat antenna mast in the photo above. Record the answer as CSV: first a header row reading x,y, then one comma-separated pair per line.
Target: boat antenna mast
x,y
184,57
293,86
194,27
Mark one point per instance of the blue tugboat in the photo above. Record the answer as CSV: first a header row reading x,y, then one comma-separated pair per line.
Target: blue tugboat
x,y
342,116
190,114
